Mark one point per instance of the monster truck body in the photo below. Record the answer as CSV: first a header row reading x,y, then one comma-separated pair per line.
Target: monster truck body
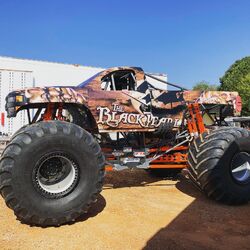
x,y
121,99
118,114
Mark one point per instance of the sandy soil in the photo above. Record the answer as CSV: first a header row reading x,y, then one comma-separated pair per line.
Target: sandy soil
x,y
136,211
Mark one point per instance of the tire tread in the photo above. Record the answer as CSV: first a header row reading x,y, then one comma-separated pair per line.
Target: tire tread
x,y
211,147
17,141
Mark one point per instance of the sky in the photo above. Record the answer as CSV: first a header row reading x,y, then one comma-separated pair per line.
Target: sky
x,y
189,40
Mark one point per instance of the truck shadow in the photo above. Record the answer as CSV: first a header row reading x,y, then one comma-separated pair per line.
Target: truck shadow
x,y
204,224
94,210
126,178
137,178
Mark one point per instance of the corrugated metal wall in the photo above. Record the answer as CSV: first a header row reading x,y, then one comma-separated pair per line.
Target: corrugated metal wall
x,y
10,80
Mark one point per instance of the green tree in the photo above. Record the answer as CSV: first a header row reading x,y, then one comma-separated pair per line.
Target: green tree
x,y
237,78
203,85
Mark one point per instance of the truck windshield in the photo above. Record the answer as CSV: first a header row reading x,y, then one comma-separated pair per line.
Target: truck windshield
x,y
86,82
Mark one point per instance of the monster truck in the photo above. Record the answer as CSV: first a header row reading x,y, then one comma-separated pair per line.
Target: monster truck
x,y
53,168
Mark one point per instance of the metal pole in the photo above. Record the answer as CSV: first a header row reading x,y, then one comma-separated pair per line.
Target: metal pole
x,y
168,83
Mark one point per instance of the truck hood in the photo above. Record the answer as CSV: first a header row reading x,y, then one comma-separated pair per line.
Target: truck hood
x,y
49,94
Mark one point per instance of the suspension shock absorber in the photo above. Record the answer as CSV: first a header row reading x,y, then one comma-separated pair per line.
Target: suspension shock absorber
x,y
49,112
195,122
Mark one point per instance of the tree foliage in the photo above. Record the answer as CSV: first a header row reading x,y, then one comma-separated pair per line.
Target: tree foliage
x,y
203,85
237,78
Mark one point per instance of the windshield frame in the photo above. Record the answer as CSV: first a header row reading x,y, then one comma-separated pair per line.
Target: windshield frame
x,y
88,81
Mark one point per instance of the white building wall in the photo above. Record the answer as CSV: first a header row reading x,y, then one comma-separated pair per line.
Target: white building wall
x,y
50,73
10,80
20,73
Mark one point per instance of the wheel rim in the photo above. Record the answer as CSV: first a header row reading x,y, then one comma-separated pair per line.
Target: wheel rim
x,y
240,167
56,175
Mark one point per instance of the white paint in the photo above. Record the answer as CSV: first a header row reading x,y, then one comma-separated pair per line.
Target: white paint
x,y
61,186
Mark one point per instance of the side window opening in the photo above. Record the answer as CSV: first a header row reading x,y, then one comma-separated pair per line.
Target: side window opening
x,y
119,80
106,84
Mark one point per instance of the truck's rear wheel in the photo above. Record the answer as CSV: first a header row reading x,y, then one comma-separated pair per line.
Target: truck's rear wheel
x,y
51,172
219,164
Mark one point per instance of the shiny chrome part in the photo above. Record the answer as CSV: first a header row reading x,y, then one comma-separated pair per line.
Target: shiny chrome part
x,y
57,174
240,167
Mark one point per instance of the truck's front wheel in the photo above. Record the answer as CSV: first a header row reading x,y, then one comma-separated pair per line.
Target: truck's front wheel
x,y
51,172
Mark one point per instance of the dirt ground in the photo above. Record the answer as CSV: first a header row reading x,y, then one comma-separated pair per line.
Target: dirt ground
x,y
136,211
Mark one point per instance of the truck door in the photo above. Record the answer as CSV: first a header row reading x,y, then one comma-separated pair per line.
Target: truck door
x,y
119,104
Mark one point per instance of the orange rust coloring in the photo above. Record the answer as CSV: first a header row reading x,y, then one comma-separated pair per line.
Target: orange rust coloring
x,y
48,114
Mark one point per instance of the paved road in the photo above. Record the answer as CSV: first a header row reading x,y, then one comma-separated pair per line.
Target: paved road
x,y
136,211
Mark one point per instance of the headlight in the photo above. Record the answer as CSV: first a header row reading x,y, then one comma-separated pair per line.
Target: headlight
x,y
19,98
14,101
11,99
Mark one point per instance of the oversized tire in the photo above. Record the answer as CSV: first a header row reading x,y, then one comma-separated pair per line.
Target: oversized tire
x,y
51,172
219,164
20,130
